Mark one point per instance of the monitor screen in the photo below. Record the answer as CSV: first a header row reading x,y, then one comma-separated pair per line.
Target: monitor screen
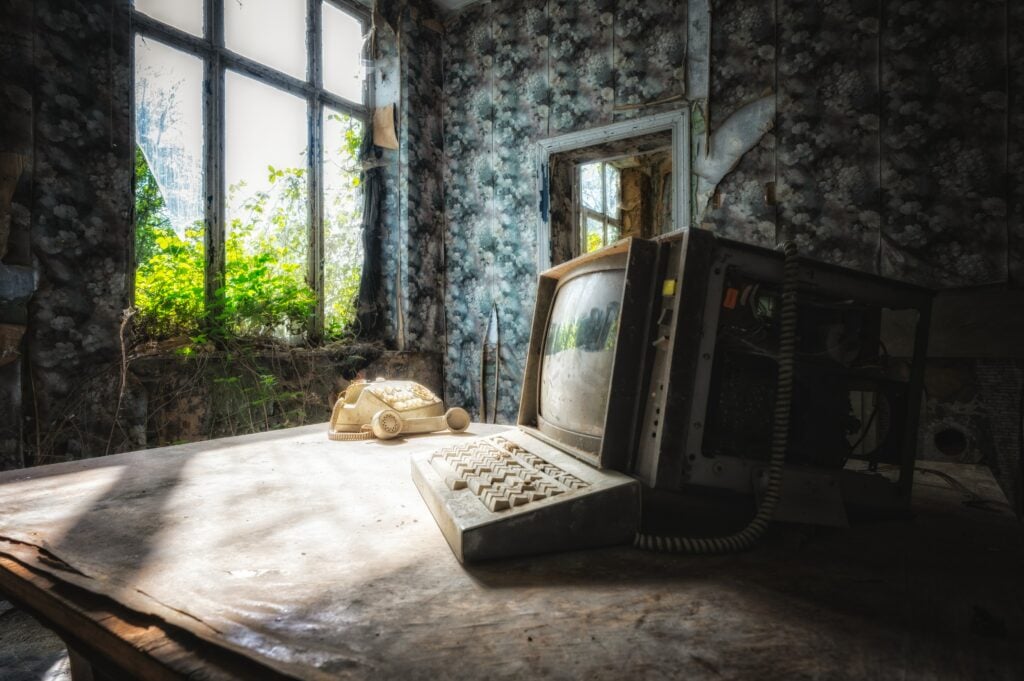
x,y
579,351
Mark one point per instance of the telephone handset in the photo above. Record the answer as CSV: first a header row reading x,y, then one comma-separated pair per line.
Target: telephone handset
x,y
386,409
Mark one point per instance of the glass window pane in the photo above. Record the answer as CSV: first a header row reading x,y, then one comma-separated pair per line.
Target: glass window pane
x,y
343,216
168,190
169,125
590,186
594,236
342,52
184,14
273,32
265,147
611,183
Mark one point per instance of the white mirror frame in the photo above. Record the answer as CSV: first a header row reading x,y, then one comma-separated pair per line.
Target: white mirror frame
x,y
676,121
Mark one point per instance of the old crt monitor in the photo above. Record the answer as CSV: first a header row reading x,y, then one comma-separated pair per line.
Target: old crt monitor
x,y
583,380
555,482
647,403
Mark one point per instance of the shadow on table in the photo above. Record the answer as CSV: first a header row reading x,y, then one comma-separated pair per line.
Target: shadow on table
x,y
875,601
121,526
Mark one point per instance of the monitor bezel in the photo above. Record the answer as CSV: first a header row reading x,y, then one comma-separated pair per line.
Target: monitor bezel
x,y
576,439
613,449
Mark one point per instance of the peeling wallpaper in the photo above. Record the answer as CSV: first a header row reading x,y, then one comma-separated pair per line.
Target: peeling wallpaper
x,y
893,149
896,148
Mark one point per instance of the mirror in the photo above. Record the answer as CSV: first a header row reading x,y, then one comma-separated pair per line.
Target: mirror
x,y
601,185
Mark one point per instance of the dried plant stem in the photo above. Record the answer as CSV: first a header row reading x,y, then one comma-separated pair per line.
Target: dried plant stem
x,y
126,315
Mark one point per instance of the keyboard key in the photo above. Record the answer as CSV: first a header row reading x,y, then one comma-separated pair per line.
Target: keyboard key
x,y
478,485
501,474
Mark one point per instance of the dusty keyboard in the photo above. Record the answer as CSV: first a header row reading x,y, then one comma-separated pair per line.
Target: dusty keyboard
x,y
502,474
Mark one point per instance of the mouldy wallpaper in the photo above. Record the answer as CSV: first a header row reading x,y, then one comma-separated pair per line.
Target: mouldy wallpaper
x,y
895,145
517,72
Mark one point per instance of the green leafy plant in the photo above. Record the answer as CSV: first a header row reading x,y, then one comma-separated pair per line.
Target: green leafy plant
x,y
264,293
169,274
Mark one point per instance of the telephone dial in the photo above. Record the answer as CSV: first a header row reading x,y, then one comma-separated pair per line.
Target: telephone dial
x,y
385,409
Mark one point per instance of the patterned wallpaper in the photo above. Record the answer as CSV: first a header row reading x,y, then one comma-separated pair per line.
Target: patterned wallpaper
x,y
890,148
81,203
421,181
409,76
516,72
896,146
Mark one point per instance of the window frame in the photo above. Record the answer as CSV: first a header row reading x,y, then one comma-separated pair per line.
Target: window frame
x,y
217,59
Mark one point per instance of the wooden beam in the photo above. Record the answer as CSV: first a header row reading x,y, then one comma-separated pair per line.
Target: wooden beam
x,y
110,641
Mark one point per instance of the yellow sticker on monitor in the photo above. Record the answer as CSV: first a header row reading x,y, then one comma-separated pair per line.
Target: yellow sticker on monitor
x,y
668,287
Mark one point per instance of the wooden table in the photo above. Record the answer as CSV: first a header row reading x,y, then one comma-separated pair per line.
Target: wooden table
x,y
284,555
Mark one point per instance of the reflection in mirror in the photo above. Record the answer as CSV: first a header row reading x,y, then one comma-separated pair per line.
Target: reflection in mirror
x,y
600,185
609,191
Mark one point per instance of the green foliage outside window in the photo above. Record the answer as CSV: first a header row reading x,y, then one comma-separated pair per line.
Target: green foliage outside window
x,y
169,273
343,247
265,292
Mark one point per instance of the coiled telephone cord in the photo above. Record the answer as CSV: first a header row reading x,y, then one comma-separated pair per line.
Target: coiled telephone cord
x,y
364,432
746,537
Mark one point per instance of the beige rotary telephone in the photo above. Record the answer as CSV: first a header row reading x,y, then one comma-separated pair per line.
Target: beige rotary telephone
x,y
386,409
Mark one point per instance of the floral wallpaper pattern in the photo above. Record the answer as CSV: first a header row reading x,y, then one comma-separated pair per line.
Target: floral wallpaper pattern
x,y
515,73
943,141
409,76
827,130
742,70
890,153
890,148
420,194
81,203
387,91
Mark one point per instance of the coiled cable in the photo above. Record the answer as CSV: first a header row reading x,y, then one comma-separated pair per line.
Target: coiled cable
x,y
746,537
363,433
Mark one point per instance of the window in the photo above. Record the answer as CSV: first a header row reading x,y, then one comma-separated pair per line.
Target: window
x,y
249,116
599,205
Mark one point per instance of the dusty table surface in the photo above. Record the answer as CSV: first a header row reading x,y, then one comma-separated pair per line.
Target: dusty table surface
x,y
319,559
